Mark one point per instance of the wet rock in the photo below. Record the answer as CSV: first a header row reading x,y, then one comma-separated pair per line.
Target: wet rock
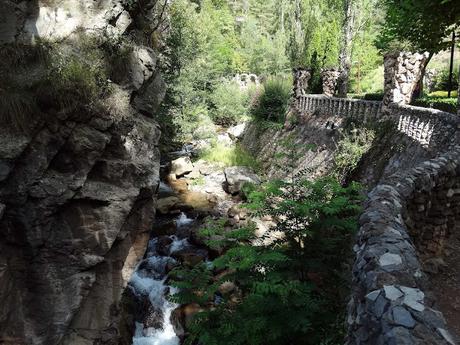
x,y
190,256
180,186
165,205
181,166
182,317
236,177
163,245
164,228
153,317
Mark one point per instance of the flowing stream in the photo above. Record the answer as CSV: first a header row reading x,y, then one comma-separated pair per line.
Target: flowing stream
x,y
148,284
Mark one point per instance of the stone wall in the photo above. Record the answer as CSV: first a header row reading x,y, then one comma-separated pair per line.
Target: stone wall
x,y
402,72
409,212
330,78
302,78
339,107
245,80
413,169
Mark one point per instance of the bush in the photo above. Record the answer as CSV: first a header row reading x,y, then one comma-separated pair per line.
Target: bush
x,y
296,270
445,104
378,96
354,144
193,122
273,102
230,104
16,109
441,81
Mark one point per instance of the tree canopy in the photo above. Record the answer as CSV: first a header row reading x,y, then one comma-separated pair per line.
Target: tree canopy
x,y
419,24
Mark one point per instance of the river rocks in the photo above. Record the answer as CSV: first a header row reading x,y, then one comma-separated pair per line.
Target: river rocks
x,y
182,317
165,205
236,132
181,166
190,256
236,177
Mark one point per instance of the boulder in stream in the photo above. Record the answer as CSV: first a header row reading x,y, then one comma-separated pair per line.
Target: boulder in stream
x,y
236,177
181,166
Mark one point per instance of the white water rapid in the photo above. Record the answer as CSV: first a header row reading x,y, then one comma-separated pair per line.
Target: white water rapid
x,y
148,281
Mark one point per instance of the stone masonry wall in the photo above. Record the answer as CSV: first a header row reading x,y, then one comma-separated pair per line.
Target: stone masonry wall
x,y
391,303
402,73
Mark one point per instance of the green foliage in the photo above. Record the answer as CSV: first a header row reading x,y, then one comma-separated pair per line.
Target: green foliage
x,y
230,104
353,145
230,156
296,275
442,94
266,37
441,81
16,109
18,102
445,104
419,25
273,102
378,96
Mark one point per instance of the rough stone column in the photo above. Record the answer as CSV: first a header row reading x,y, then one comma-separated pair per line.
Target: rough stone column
x,y
302,77
402,73
330,78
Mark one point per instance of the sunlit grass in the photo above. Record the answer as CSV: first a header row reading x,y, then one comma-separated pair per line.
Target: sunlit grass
x,y
230,156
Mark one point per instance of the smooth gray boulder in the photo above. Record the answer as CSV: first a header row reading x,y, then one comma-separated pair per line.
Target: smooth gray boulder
x,y
236,177
181,166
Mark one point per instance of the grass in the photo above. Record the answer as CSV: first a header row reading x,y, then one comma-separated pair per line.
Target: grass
x,y
230,156
443,94
16,108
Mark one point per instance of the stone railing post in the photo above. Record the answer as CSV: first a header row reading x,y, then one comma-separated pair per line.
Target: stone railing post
x,y
302,77
402,73
330,78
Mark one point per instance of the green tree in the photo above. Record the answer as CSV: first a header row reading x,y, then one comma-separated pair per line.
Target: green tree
x,y
421,25
285,285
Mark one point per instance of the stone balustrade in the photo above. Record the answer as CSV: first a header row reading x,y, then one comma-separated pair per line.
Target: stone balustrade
x,y
408,213
340,107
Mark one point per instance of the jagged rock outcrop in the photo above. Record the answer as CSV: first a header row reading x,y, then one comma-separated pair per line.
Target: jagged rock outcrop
x,y
77,185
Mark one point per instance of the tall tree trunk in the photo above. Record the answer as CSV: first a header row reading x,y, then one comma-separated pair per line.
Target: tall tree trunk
x,y
451,67
419,89
346,46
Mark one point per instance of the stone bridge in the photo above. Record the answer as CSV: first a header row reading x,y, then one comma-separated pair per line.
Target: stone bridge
x,y
408,217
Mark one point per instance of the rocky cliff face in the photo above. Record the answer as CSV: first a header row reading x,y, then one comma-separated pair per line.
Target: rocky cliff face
x,y
78,180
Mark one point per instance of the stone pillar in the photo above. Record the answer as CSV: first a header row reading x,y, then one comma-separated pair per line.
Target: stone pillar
x,y
402,73
302,77
330,78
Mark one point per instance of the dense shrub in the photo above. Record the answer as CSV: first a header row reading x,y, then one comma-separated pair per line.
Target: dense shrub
x,y
445,104
230,104
378,96
273,101
288,289
441,81
354,144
